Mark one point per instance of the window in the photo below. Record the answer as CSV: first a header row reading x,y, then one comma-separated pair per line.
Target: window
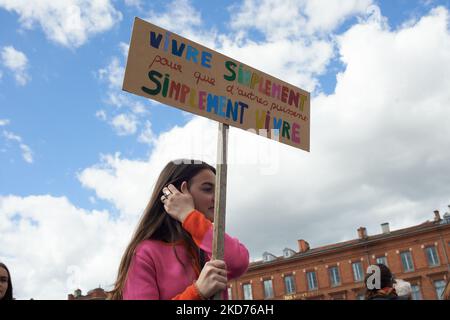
x,y
407,261
248,291
415,292
312,280
289,283
439,285
230,296
268,289
358,274
382,260
267,257
432,256
335,278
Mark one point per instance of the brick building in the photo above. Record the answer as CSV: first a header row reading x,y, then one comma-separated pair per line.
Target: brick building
x,y
94,294
419,255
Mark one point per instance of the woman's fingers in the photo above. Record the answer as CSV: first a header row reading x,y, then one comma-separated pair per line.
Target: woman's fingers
x,y
172,189
221,279
166,191
218,264
220,272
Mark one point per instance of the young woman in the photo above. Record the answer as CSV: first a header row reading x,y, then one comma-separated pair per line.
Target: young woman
x,y
169,254
6,289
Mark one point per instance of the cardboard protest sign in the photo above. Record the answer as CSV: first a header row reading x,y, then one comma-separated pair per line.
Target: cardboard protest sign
x,y
176,71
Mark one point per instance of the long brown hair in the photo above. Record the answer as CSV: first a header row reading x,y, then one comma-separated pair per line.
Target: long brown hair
x,y
155,223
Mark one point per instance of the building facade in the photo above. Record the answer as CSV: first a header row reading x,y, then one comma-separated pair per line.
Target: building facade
x,y
95,294
419,255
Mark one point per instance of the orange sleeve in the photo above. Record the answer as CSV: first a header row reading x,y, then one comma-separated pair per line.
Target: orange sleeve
x,y
197,225
191,293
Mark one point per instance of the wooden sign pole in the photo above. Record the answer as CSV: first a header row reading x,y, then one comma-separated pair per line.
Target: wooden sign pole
x,y
220,197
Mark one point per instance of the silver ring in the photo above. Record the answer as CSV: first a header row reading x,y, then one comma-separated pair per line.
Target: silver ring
x,y
167,193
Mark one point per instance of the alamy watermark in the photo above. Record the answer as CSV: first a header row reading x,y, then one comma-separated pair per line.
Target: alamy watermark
x,y
263,154
373,282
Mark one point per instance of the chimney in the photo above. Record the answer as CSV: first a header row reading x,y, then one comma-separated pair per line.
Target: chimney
x,y
385,227
303,246
437,216
362,233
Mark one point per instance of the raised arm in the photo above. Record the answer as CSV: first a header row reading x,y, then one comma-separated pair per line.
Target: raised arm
x,y
236,255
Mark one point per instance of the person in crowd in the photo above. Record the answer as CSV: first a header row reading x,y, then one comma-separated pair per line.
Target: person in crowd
x,y
6,288
169,256
403,289
380,284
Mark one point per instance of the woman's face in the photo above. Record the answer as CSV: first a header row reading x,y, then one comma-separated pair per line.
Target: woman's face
x,y
202,190
3,282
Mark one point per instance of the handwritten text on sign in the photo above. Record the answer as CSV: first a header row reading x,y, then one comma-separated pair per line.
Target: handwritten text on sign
x,y
176,71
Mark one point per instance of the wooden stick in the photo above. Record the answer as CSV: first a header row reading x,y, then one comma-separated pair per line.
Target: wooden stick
x,y
220,197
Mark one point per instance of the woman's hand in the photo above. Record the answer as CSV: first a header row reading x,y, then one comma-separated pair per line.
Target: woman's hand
x,y
212,278
178,204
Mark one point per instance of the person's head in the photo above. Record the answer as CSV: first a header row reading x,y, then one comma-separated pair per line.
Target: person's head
x,y
403,288
386,279
6,289
156,224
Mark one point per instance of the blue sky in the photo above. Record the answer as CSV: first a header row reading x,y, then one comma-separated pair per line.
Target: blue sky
x,y
57,105
55,112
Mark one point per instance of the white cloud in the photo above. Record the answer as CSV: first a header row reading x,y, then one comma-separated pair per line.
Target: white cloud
x,y
11,136
124,124
179,16
67,22
147,136
101,114
113,74
294,18
27,154
138,108
124,47
297,45
17,62
124,183
182,17
128,117
298,40
276,58
134,3
44,241
4,122
377,153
